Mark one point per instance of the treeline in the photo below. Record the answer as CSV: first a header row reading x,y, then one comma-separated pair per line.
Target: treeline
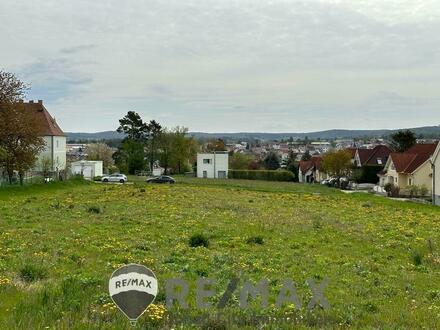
x,y
148,144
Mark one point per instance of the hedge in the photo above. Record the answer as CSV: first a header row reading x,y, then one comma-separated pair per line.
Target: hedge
x,y
268,175
368,174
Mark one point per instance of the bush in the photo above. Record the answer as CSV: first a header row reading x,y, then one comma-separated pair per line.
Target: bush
x,y
417,258
392,190
424,190
367,174
198,240
94,209
268,175
255,240
97,178
31,273
414,191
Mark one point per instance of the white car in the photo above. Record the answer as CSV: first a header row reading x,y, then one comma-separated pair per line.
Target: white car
x,y
121,178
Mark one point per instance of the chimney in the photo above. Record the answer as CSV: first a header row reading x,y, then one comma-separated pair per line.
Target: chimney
x,y
40,101
31,101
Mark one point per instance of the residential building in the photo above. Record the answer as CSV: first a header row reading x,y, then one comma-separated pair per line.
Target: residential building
x,y
410,168
87,168
54,154
213,165
377,156
435,162
310,171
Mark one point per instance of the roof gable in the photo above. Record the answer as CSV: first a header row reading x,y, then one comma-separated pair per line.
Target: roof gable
x,y
315,163
45,123
413,158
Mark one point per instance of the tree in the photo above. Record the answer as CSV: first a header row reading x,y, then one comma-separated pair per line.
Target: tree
x,y
306,156
46,166
239,161
19,138
337,163
165,141
291,164
272,161
100,151
2,153
133,127
184,149
131,153
215,145
403,140
154,130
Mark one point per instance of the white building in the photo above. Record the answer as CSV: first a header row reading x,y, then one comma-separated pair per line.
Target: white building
x,y
87,168
435,161
53,157
213,165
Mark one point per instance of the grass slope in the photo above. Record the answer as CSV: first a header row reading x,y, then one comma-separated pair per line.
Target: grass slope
x,y
59,243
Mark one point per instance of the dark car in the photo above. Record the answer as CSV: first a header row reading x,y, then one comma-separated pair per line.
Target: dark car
x,y
161,179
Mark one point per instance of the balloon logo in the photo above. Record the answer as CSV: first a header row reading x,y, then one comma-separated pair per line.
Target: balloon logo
x,y
133,288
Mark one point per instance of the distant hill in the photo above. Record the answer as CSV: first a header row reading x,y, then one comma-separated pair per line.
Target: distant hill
x,y
427,131
106,135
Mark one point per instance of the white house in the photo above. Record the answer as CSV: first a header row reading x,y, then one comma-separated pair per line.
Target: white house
x,y
435,162
87,168
53,157
213,165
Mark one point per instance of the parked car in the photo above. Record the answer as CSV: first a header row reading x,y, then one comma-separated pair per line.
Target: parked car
x,y
161,179
114,178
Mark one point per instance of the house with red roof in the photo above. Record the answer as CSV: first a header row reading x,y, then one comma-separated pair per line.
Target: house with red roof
x,y
54,154
310,171
368,163
410,168
376,156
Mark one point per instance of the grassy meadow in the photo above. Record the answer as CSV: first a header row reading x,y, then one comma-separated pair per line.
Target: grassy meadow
x,y
60,242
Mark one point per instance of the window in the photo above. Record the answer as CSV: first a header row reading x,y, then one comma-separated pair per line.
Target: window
x,y
392,166
207,161
379,161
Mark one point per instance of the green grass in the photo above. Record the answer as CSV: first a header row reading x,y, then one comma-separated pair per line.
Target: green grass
x,y
60,242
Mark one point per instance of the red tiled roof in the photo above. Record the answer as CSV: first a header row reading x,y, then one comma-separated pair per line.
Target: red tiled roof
x,y
371,156
46,124
422,148
381,152
317,162
307,165
413,158
364,155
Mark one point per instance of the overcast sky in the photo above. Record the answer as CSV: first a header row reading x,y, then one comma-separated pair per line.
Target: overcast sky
x,y
228,66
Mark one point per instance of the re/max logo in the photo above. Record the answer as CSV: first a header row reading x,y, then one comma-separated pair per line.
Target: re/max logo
x,y
177,290
132,282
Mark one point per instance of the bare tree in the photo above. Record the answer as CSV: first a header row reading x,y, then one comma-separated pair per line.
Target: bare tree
x,y
100,151
46,166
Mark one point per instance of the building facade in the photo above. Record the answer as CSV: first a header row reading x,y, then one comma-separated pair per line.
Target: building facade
x,y
87,168
410,168
435,162
213,165
53,157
